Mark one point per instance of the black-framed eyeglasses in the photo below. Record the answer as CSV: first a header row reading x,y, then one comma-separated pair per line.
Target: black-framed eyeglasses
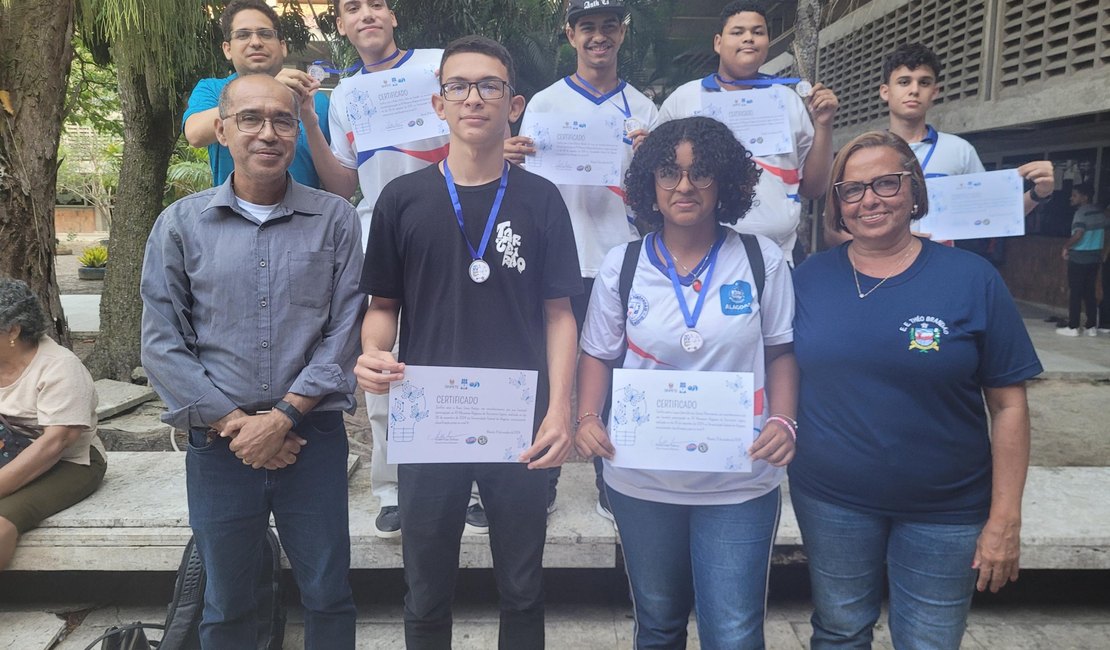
x,y
244,35
668,178
488,89
252,123
885,186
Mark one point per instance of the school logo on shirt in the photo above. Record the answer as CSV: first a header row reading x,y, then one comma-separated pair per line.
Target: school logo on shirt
x,y
925,333
637,308
736,298
509,243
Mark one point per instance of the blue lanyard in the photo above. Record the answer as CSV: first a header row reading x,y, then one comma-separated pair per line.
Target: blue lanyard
x,y
762,82
356,66
626,111
691,319
928,156
476,254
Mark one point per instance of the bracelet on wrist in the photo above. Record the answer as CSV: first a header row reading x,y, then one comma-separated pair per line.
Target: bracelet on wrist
x,y
790,424
1037,198
587,414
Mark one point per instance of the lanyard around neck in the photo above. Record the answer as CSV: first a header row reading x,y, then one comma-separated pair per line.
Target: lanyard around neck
x,y
626,111
690,318
760,82
476,254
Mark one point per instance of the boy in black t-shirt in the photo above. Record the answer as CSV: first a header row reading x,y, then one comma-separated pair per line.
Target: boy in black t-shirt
x,y
506,305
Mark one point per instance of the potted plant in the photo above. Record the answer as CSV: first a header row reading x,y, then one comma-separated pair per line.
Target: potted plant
x,y
94,263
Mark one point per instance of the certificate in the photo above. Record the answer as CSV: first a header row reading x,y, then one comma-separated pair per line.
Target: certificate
x,y
682,420
394,106
971,206
577,149
758,118
461,415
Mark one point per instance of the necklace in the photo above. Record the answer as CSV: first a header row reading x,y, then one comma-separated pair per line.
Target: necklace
x,y
855,273
695,284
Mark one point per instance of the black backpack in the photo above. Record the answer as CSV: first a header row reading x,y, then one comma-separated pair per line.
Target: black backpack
x,y
182,627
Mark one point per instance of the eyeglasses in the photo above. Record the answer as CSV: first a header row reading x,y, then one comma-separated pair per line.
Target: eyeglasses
x,y
245,35
885,186
283,125
668,178
457,91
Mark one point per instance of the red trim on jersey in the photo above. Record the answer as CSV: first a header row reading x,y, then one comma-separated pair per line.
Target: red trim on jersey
x,y
788,176
635,349
759,402
429,156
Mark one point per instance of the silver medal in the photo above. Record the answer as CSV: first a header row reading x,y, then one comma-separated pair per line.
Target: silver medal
x,y
317,72
479,271
691,341
804,89
632,124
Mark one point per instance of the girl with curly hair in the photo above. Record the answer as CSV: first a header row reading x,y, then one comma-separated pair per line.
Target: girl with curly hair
x,y
694,537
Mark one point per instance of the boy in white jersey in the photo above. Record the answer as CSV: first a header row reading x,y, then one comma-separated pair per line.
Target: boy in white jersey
x,y
369,25
801,172
911,83
598,214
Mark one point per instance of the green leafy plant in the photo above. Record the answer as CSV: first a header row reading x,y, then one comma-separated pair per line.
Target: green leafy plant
x,y
95,257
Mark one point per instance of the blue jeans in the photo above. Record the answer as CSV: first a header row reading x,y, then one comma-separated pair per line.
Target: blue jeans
x,y
229,510
713,559
928,570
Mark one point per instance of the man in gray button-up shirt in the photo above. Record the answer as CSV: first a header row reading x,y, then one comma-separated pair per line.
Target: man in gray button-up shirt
x,y
250,334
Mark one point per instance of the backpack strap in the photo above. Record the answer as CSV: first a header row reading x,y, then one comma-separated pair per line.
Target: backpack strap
x,y
755,259
628,271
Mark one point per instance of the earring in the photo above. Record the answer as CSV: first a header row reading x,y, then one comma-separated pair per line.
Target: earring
x,y
720,205
655,207
913,213
11,343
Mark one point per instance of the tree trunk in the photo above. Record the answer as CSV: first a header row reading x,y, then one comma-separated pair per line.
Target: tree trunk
x,y
150,117
35,53
806,27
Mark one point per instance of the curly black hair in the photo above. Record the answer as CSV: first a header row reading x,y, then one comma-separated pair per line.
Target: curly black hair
x,y
717,153
913,56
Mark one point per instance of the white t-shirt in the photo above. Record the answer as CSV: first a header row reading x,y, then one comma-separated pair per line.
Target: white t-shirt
x,y
598,214
944,154
257,210
777,208
379,166
735,329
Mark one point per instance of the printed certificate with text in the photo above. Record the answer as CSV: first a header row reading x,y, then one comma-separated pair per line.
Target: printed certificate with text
x,y
461,415
682,420
392,107
576,149
973,206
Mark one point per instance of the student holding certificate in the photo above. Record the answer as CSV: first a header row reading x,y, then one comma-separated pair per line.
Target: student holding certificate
x,y
904,346
693,305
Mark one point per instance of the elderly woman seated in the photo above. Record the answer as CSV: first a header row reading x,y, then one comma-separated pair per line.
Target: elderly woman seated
x,y
50,455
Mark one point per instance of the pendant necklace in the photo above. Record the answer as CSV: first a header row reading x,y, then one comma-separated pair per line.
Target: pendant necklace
x,y
855,273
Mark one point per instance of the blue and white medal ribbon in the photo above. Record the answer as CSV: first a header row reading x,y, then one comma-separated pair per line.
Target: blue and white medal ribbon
x,y
691,340
479,270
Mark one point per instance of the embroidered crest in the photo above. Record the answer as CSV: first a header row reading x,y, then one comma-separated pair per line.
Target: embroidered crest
x,y
637,308
925,338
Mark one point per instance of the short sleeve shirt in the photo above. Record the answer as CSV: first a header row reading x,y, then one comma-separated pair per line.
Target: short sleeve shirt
x,y
376,167
777,208
944,154
417,255
736,326
599,215
1088,250
206,95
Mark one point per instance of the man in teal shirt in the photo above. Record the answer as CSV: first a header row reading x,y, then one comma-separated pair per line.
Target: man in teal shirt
x,y
1083,251
254,44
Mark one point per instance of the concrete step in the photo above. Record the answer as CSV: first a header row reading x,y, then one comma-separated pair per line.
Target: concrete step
x,y
138,521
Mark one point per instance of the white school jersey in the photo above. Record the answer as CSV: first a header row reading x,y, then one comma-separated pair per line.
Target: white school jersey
x,y
944,154
379,166
777,208
735,325
600,218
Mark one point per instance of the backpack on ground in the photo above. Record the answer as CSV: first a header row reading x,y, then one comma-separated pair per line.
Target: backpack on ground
x,y
181,631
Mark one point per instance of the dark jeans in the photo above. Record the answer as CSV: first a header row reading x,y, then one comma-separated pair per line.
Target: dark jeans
x,y
1081,292
229,509
1104,307
433,500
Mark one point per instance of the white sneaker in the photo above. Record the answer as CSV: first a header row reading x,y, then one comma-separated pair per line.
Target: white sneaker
x,y
1091,332
1104,330
1067,331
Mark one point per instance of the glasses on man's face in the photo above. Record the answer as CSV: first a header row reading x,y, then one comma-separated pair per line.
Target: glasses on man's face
x,y
252,123
885,186
668,178
244,35
457,91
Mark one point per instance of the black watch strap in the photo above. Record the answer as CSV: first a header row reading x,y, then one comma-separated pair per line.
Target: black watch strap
x,y
292,412
1037,198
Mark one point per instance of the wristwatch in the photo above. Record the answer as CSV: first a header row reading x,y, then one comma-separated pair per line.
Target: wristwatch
x,y
290,411
1037,198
